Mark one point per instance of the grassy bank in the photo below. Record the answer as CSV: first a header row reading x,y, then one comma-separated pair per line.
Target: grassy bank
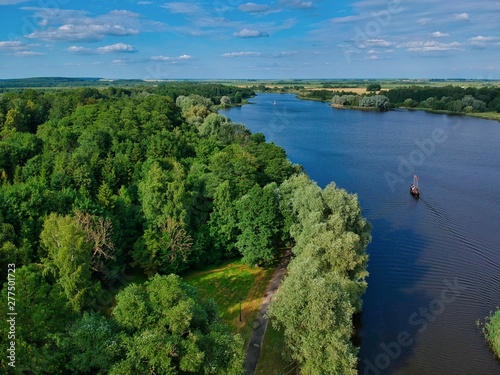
x,y
492,332
271,361
227,284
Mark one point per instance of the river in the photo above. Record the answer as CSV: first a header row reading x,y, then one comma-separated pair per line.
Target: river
x,y
435,262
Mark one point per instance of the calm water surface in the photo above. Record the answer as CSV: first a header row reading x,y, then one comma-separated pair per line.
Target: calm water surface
x,y
434,263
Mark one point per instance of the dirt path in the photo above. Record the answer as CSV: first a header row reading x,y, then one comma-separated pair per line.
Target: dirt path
x,y
260,324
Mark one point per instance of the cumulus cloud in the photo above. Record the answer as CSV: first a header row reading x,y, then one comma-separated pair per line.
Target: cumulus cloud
x,y
484,41
117,48
112,48
439,34
242,54
247,33
12,45
462,16
18,48
80,50
77,26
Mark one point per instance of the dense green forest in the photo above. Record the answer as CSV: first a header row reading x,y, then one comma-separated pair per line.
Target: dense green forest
x,y
101,186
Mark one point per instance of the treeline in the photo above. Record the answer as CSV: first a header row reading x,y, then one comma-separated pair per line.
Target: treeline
x,y
17,84
99,185
449,98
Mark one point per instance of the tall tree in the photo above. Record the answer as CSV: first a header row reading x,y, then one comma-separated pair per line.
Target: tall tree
x,y
69,258
259,223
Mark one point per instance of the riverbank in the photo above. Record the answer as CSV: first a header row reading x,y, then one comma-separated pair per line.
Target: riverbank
x,y
494,116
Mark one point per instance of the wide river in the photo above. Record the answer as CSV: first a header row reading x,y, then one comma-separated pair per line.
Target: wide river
x,y
435,262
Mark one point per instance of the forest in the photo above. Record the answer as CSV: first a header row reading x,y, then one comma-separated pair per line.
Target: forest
x,y
97,184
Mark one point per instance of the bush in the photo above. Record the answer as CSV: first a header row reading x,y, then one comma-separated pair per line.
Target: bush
x,y
491,331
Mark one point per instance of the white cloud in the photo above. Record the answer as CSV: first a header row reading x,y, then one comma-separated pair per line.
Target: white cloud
x,y
116,48
112,48
119,62
424,20
242,54
462,16
88,33
484,41
298,4
253,8
286,54
80,50
12,45
439,34
182,7
73,25
431,46
171,59
247,33
377,43
28,53
18,48
10,2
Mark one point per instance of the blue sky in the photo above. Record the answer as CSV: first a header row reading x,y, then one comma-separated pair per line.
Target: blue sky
x,y
250,39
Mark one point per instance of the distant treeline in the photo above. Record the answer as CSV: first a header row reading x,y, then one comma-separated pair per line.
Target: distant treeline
x,y
448,98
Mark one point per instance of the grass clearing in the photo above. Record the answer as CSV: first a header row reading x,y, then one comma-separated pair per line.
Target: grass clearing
x,y
271,361
227,284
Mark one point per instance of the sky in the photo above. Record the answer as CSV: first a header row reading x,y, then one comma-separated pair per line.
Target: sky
x,y
240,39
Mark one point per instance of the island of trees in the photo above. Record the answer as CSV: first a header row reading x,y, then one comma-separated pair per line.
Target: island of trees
x,y
98,184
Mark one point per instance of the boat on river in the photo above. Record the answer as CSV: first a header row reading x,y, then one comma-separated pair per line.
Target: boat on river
x,y
414,191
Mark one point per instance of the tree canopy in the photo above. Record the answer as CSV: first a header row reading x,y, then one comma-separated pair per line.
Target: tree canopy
x,y
96,184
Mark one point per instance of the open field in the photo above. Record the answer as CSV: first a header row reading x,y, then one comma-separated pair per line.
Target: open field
x,y
227,284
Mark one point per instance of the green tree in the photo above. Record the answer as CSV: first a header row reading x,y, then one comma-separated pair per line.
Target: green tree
x,y
162,192
326,278
169,330
92,345
223,219
69,258
164,247
379,102
234,164
43,316
373,87
259,223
